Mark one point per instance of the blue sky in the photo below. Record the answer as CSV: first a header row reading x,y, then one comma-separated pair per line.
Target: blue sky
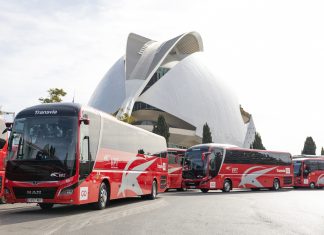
x,y
271,53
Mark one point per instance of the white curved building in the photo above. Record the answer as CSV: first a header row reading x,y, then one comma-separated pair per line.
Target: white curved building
x,y
171,78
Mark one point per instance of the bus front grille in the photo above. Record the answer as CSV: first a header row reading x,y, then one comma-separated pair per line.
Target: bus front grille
x,y
45,193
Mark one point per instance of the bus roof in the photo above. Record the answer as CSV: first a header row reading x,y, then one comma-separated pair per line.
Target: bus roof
x,y
52,109
234,147
177,149
214,145
308,158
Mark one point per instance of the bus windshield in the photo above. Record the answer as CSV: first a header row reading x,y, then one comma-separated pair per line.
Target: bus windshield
x,y
194,164
47,141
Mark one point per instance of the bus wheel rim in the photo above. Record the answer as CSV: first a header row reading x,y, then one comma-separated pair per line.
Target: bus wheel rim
x,y
103,196
276,184
154,189
227,186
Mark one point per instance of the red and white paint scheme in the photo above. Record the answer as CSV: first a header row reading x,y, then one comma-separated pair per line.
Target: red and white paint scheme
x,y
175,160
309,172
3,153
72,154
218,166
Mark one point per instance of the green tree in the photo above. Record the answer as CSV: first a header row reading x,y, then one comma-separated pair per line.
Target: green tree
x,y
257,143
55,95
162,128
207,137
322,151
309,146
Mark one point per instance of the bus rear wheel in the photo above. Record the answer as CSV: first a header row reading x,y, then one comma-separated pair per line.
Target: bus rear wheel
x,y
276,185
153,194
46,206
103,197
312,185
227,186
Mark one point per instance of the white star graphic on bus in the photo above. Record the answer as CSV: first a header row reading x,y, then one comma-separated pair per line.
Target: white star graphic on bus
x,y
251,178
174,169
129,179
320,179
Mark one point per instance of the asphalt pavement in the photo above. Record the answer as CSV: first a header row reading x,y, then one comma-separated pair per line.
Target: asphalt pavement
x,y
287,211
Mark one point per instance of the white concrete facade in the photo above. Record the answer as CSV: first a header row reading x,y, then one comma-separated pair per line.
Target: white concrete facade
x,y
187,90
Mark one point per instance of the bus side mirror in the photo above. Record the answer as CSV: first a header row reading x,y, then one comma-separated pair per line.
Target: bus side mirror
x,y
205,155
85,121
8,127
211,167
2,143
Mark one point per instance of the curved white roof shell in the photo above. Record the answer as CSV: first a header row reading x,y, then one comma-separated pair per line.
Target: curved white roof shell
x,y
193,93
189,90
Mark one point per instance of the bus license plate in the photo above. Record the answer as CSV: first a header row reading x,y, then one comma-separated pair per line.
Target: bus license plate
x,y
34,200
192,186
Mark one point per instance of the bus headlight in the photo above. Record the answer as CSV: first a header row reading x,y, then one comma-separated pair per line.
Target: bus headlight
x,y
68,190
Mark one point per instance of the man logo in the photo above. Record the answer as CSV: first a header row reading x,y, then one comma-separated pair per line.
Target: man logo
x,y
58,174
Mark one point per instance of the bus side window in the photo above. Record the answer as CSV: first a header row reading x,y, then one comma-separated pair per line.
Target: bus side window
x,y
85,158
85,149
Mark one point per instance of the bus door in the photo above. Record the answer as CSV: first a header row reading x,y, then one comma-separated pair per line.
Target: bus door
x,y
306,172
298,169
3,151
87,188
164,170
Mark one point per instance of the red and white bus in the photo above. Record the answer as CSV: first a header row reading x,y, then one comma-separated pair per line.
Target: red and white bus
x,y
309,172
3,153
175,160
215,166
71,154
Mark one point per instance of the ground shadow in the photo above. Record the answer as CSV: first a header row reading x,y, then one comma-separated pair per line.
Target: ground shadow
x,y
197,192
22,213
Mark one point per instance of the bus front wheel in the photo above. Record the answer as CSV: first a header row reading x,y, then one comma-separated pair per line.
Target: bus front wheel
x,y
2,200
276,185
227,186
312,185
103,197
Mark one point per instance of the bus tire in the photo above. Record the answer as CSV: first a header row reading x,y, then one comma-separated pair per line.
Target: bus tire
x,y
312,185
276,185
153,193
2,200
180,189
204,190
103,197
227,186
46,206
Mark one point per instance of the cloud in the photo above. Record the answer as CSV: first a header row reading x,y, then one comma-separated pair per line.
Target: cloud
x,y
270,53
